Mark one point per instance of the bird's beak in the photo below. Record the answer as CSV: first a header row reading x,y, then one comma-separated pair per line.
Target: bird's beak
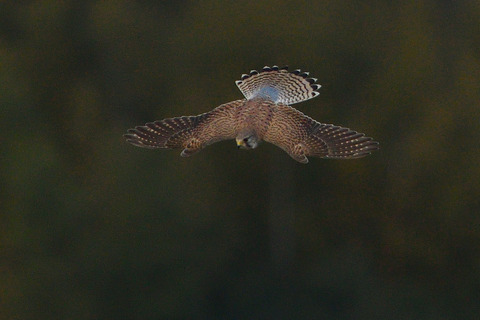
x,y
240,143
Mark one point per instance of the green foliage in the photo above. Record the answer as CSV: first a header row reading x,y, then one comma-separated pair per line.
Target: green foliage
x,y
91,227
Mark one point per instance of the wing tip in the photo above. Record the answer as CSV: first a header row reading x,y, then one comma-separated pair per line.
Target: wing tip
x,y
344,143
143,136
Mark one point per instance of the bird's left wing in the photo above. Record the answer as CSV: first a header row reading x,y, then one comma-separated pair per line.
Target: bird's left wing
x,y
301,136
191,133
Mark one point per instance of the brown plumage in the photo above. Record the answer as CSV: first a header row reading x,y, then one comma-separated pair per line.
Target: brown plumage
x,y
263,115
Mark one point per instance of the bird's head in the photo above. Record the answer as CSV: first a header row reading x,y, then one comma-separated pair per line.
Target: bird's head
x,y
248,140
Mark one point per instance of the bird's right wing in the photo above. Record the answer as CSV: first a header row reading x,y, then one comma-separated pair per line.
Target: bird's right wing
x,y
301,136
191,133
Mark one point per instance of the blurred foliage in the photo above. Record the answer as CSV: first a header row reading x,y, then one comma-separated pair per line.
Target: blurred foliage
x,y
94,228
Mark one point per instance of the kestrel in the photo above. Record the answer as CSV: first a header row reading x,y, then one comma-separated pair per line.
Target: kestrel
x,y
265,115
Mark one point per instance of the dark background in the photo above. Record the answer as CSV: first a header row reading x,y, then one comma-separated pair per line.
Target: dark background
x,y
93,228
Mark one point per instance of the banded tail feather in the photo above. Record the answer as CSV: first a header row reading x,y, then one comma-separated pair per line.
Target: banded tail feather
x,y
278,85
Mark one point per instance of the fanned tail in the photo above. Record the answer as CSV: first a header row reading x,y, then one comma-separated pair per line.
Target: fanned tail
x,y
278,85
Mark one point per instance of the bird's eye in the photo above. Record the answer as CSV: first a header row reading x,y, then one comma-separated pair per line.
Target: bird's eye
x,y
245,140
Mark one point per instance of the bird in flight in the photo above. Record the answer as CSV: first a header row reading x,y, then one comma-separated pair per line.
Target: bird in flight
x,y
264,115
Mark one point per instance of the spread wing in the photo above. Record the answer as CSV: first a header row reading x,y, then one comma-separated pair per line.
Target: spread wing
x,y
301,136
191,133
